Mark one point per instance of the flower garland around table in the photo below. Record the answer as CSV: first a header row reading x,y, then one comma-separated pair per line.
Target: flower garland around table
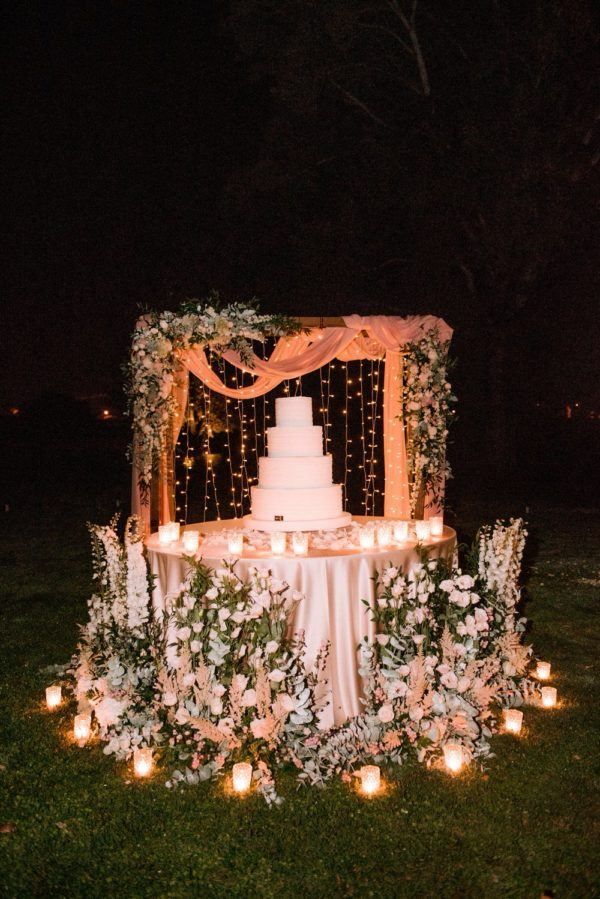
x,y
153,364
428,408
221,679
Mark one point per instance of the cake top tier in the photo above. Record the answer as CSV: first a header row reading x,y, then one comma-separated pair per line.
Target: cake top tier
x,y
293,412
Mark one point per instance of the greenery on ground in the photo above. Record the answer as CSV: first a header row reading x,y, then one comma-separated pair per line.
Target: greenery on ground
x,y
73,823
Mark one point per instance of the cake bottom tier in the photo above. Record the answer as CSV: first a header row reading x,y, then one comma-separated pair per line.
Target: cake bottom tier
x,y
284,506
323,524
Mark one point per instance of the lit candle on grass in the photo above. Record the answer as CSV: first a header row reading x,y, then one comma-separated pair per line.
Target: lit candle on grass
x,y
190,541
453,757
436,523
142,761
366,537
513,721
543,670
241,777
278,541
370,779
82,727
300,543
422,530
384,534
235,544
401,531
53,696
548,697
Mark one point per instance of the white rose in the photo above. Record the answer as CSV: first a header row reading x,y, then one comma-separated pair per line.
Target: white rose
x,y
248,698
184,633
386,713
169,699
382,639
196,646
216,706
271,647
189,679
277,675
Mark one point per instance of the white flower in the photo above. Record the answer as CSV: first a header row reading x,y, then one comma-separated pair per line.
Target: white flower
x,y
196,646
386,713
248,698
382,639
212,593
189,679
170,699
465,582
276,675
216,706
271,647
184,633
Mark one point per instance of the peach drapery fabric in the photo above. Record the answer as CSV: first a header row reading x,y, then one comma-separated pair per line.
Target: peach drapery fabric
x,y
363,337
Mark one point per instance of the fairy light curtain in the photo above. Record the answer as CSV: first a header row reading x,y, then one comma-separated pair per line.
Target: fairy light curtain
x,y
378,338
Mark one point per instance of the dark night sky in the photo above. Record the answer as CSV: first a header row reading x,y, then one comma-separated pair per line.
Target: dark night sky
x,y
132,133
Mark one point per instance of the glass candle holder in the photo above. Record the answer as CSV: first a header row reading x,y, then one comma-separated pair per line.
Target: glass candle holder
x,y
241,777
164,534
300,543
235,544
53,696
422,530
190,541
543,670
82,727
370,779
453,757
513,721
436,523
278,542
384,534
400,531
142,761
548,697
366,537
175,529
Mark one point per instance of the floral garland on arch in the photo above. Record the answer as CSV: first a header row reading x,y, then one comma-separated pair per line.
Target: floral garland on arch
x,y
221,678
428,408
155,351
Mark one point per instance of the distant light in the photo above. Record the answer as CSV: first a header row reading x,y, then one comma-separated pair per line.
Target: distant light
x,y
14,410
106,413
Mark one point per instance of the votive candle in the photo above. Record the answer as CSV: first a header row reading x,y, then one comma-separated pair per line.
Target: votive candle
x,y
300,543
422,530
366,537
513,720
401,531
370,776
82,727
436,523
241,777
164,534
190,541
384,534
543,670
53,696
548,697
278,541
453,757
235,544
142,761
175,529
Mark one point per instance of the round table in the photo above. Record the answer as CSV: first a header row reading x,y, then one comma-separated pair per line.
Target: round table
x,y
334,583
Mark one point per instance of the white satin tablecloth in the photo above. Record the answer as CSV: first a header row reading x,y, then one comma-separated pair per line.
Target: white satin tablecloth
x,y
334,582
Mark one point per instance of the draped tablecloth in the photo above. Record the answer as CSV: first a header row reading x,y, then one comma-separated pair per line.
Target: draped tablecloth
x,y
334,584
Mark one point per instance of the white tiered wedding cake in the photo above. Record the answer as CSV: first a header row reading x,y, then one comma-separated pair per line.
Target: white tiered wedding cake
x,y
295,489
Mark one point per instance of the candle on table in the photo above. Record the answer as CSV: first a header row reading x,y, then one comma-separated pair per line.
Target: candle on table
x,y
401,531
142,761
278,541
370,777
53,696
453,757
548,697
241,777
543,670
436,523
235,543
164,534
513,720
175,528
300,543
82,727
190,541
422,530
384,534
366,537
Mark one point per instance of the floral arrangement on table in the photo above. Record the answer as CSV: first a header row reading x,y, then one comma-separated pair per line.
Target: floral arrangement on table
x,y
221,679
428,408
157,343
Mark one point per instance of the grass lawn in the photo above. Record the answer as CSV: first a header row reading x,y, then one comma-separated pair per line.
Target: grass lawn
x,y
74,824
